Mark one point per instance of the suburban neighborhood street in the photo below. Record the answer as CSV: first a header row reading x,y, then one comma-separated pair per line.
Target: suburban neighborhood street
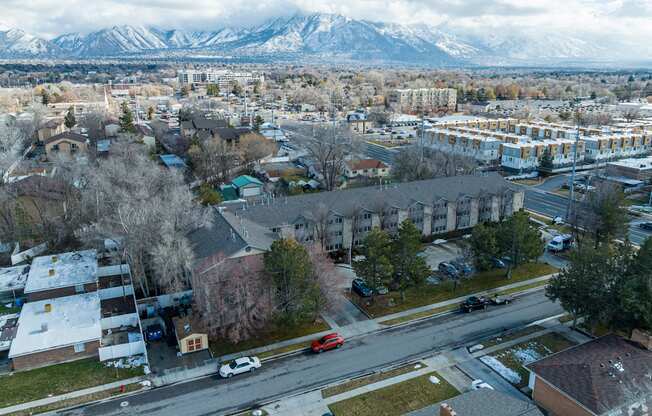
x,y
303,372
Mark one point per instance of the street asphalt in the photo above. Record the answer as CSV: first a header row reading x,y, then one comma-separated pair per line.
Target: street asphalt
x,y
304,372
553,205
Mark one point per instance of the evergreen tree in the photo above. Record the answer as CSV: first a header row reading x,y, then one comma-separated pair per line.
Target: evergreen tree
x,y
258,121
127,119
376,267
546,163
150,113
45,97
213,90
288,265
69,120
519,240
484,245
410,269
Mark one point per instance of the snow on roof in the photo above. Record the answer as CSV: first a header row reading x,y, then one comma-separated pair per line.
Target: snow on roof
x,y
62,270
13,278
71,320
7,330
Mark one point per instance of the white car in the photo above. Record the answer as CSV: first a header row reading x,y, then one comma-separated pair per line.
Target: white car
x,y
239,366
479,384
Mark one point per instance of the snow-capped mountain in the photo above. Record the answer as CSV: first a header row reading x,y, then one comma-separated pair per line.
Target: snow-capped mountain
x,y
16,43
313,36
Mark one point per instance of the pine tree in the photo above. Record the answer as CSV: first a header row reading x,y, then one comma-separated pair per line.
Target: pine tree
x,y
127,119
150,113
376,267
410,269
69,120
45,97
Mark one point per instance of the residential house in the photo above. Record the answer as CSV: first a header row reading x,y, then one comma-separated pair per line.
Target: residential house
x,y
247,186
639,169
605,376
67,143
201,125
50,128
12,282
488,402
369,168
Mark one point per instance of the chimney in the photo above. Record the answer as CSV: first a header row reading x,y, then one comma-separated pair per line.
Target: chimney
x,y
446,410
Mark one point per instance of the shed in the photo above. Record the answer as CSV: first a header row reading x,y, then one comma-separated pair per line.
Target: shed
x,y
172,161
191,334
247,186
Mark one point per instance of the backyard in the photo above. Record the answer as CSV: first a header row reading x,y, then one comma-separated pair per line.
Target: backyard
x,y
509,362
25,386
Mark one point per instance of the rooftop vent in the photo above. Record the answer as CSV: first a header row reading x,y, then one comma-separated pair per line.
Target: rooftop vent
x,y
44,327
51,272
54,259
47,308
186,328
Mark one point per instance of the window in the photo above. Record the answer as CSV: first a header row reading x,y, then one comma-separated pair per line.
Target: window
x,y
298,226
79,288
80,347
276,230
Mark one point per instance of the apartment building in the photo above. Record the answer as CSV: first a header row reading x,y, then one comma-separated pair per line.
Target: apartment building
x,y
480,145
76,309
422,99
617,146
224,78
338,219
639,169
526,155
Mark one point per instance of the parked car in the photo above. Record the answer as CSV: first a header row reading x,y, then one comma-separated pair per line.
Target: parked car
x,y
382,290
474,303
239,366
463,267
327,342
498,263
646,226
361,288
448,269
480,384
154,333
501,300
560,243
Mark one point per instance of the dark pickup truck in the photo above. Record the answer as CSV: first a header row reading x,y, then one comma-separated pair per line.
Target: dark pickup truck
x,y
473,303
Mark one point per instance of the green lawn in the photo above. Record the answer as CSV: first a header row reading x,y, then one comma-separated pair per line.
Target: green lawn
x,y
5,310
511,336
275,334
25,386
429,294
516,356
365,381
130,388
397,399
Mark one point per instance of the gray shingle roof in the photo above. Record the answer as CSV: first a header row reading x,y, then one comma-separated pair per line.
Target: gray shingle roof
x,y
486,402
228,235
603,374
401,195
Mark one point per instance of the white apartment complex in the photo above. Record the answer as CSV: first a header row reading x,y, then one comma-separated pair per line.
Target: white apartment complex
x,y
224,78
422,99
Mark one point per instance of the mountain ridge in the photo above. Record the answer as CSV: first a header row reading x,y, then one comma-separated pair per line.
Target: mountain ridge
x,y
308,36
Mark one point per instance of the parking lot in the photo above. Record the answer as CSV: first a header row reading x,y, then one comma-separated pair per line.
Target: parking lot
x,y
444,252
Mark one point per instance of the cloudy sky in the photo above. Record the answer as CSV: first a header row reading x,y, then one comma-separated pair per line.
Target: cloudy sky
x,y
629,20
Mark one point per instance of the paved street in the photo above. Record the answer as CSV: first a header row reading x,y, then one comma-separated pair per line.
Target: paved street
x,y
555,205
300,373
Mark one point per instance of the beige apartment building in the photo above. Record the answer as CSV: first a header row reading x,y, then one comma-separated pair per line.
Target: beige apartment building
x,y
422,99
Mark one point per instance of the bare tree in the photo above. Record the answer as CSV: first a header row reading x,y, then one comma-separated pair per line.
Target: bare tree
x,y
254,147
150,211
95,123
329,149
327,281
630,114
12,145
417,163
233,300
214,160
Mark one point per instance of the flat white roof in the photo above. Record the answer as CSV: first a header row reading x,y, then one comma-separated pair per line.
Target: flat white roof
x,y
13,278
62,270
71,320
641,163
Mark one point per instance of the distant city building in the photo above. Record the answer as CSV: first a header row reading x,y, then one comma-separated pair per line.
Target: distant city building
x,y
224,78
423,99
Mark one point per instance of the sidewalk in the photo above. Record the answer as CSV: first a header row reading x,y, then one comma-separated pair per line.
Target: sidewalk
x,y
71,395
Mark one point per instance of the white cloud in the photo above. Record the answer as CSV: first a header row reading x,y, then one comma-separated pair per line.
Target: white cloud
x,y
602,20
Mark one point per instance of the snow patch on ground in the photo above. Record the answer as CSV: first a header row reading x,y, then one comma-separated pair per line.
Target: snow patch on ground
x,y
505,372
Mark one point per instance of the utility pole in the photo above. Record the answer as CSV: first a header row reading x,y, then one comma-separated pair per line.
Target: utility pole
x,y
571,194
